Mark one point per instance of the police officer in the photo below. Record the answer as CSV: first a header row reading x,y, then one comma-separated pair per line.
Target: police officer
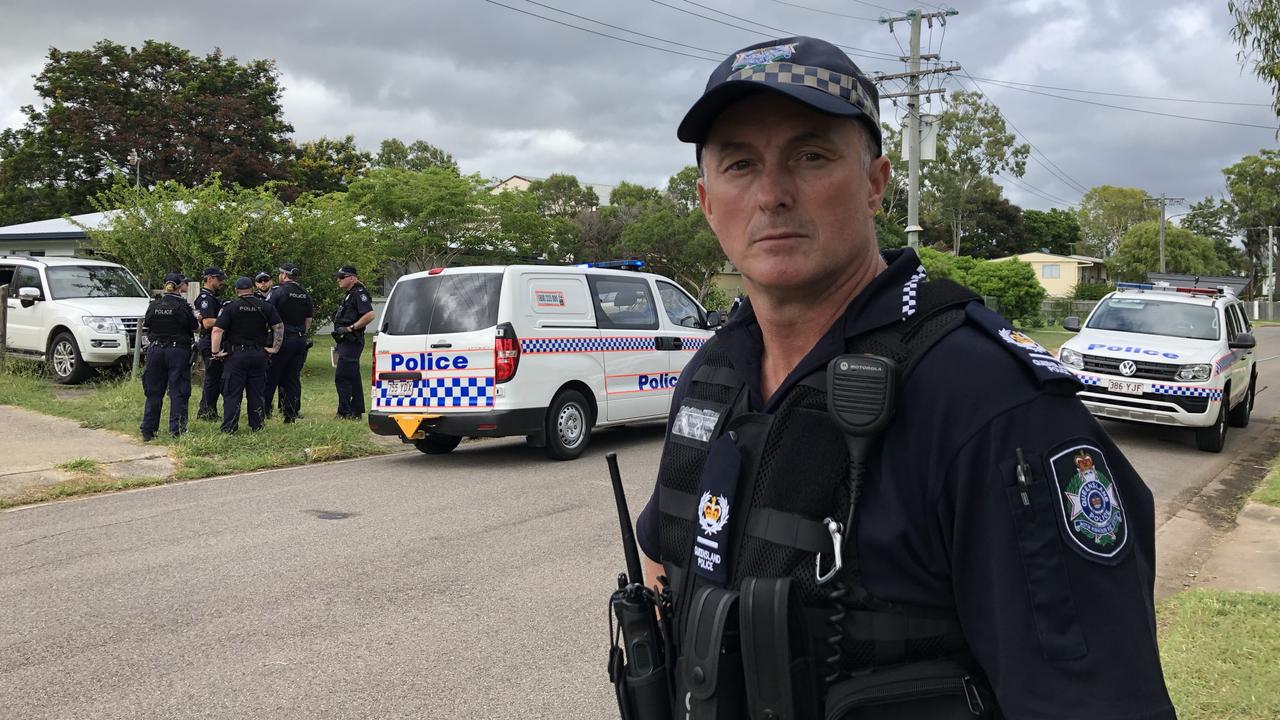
x,y
208,305
247,332
262,284
354,313
296,309
169,324
990,538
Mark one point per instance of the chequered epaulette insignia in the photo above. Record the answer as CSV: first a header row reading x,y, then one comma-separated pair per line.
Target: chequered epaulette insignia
x,y
1042,364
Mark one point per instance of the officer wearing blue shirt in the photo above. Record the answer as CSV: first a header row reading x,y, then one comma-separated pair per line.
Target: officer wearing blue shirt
x,y
169,324
208,305
355,312
998,540
248,331
296,309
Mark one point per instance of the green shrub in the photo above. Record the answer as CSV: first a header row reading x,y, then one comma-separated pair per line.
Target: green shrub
x,y
1091,291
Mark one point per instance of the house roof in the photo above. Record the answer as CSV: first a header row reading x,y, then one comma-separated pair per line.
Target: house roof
x,y
1049,257
54,228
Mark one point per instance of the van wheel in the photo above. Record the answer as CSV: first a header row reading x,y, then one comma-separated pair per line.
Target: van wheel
x,y
1239,416
65,362
568,426
1212,438
437,444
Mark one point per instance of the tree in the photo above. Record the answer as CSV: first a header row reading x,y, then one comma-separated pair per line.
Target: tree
x,y
1012,283
186,118
996,224
324,166
563,196
418,155
1214,219
629,195
1253,186
1106,213
682,188
679,246
1185,253
1055,231
423,219
170,227
973,144
515,230
1257,32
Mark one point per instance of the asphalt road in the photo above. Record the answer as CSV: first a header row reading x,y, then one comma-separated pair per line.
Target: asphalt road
x,y
402,586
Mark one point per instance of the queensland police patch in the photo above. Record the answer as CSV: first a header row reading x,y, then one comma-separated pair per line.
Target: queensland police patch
x,y
1093,513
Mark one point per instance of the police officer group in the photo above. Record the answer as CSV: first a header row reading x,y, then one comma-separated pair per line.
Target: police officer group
x,y
251,347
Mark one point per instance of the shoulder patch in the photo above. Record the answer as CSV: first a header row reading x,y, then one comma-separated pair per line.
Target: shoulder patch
x,y
1093,514
1051,375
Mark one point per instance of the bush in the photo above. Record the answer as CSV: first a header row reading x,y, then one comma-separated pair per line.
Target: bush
x,y
716,299
1011,283
1091,291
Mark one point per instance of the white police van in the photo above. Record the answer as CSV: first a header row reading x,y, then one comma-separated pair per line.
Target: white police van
x,y
1169,356
548,352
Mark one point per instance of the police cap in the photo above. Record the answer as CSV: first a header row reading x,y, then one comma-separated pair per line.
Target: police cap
x,y
243,283
264,275
175,278
345,271
214,272
290,269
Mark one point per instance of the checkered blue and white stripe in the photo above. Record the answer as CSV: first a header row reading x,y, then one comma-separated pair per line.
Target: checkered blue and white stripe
x,y
692,343
1184,391
1088,379
539,346
441,392
909,293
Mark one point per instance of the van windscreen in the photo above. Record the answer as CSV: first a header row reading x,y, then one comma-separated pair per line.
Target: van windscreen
x,y
438,304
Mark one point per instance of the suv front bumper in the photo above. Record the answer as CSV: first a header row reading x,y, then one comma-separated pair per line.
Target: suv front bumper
x,y
1160,403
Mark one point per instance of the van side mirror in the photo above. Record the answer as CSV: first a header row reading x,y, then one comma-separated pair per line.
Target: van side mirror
x,y
1243,341
28,296
1071,323
713,319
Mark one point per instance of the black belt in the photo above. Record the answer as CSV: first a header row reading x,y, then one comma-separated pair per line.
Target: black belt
x,y
170,344
246,347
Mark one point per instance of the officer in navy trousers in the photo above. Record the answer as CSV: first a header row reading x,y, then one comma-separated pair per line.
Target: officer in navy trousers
x,y
208,305
169,326
247,332
296,309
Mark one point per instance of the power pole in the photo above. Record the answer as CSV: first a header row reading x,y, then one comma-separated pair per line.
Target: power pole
x,y
913,75
1163,201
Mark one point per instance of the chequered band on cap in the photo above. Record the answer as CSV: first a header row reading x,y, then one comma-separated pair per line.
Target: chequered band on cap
x,y
842,86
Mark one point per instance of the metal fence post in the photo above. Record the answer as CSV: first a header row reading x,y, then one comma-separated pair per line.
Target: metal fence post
x,y
4,323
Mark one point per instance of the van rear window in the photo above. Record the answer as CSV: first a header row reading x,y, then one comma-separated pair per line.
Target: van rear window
x,y
439,304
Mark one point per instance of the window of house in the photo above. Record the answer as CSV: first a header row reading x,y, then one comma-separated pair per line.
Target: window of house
x,y
1050,272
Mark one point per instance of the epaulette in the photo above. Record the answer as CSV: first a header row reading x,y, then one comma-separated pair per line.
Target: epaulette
x,y
1051,375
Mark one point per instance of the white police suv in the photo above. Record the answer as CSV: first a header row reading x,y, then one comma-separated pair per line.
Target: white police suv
x,y
72,313
547,352
1170,356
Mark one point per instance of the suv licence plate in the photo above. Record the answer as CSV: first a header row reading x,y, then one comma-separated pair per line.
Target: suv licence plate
x,y
400,387
1128,388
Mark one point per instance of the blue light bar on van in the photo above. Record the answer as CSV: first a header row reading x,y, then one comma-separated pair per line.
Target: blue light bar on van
x,y
615,264
1134,286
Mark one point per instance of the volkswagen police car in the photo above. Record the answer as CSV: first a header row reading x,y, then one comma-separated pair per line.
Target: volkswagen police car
x,y
547,352
1164,355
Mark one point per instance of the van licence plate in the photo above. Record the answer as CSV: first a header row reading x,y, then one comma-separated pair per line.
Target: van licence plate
x,y
400,387
1128,388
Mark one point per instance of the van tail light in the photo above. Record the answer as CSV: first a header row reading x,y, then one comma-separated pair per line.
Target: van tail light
x,y
506,353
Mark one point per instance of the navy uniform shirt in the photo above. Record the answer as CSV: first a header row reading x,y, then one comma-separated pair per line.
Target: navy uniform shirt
x,y
293,303
353,306
208,305
169,319
1052,580
247,321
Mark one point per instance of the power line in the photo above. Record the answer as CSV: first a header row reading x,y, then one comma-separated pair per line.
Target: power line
x,y
595,32
1137,110
826,12
1056,171
1123,95
861,52
1028,187
626,30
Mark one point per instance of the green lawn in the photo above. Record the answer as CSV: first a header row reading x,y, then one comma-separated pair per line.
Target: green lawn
x,y
115,403
1221,654
1050,339
1269,491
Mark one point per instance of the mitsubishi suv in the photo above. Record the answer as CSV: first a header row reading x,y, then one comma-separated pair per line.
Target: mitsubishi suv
x,y
1168,356
74,314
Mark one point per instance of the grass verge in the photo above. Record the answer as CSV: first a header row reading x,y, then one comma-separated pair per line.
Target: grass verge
x,y
1050,339
1269,491
115,403
1221,654
72,488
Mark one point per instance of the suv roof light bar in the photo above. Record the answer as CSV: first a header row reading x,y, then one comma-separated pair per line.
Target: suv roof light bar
x,y
636,265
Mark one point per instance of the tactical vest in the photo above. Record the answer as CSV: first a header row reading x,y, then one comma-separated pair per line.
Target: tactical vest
x,y
793,475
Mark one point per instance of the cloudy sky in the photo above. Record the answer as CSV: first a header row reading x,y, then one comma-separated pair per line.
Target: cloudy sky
x,y
509,93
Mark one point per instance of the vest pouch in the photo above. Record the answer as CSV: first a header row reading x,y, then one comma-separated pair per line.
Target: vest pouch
x,y
710,673
936,689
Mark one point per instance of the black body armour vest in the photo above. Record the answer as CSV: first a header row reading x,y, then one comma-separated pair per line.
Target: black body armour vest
x,y
794,474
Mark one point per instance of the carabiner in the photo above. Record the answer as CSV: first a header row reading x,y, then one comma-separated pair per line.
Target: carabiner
x,y
837,542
